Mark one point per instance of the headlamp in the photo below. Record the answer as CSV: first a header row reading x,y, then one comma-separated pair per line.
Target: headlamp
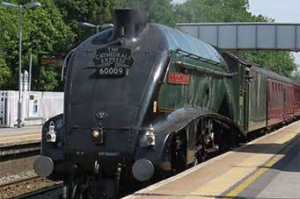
x,y
95,133
148,138
51,134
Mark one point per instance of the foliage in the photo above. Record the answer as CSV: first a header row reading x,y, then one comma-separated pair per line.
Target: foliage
x,y
196,11
7,44
43,31
296,75
5,73
57,27
49,79
75,12
278,61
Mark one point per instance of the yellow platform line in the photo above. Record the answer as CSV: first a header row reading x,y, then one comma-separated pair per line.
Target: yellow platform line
x,y
260,171
250,166
230,178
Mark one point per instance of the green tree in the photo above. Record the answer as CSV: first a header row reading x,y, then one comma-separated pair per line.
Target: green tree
x,y
56,27
43,31
280,62
296,74
7,45
196,11
49,79
92,11
5,73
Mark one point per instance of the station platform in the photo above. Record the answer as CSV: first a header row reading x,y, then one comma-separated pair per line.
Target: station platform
x,y
268,168
20,135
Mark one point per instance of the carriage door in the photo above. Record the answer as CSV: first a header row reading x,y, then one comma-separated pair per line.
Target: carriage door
x,y
244,79
284,104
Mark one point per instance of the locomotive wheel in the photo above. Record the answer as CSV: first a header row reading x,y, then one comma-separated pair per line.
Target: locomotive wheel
x,y
205,140
178,156
103,189
200,156
78,190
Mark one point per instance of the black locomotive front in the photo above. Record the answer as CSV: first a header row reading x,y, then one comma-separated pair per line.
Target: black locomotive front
x,y
108,97
111,82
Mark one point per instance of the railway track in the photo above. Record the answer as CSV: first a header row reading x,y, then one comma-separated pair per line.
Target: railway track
x,y
29,188
17,179
9,151
17,157
51,192
16,174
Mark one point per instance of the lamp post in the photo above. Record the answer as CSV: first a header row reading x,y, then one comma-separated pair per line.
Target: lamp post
x,y
29,6
97,26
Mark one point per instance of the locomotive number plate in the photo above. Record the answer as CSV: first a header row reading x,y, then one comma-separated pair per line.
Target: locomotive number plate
x,y
112,72
178,78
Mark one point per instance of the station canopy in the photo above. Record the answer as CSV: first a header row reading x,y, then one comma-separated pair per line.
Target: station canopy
x,y
246,36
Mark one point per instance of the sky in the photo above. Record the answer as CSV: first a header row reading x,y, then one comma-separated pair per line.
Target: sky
x,y
285,11
280,10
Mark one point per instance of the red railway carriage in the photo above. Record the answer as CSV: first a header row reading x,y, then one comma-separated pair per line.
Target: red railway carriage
x,y
268,98
281,98
280,101
296,107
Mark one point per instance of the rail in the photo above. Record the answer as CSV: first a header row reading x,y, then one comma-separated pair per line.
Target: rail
x,y
29,187
18,150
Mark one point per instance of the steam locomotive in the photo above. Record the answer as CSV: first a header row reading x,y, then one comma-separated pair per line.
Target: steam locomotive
x,y
145,100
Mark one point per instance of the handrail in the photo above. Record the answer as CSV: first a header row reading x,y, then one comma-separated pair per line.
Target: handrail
x,y
188,54
64,66
203,70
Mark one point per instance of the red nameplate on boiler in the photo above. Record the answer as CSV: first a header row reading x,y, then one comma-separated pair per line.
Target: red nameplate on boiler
x,y
178,78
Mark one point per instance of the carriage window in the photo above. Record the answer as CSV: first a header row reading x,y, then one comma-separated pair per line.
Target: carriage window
x,y
269,100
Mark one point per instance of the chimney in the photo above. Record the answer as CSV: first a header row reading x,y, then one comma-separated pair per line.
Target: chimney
x,y
128,23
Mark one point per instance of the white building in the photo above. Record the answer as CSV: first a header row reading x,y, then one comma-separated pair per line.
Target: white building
x,y
37,107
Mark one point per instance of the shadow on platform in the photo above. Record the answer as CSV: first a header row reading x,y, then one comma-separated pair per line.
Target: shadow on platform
x,y
158,195
290,151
